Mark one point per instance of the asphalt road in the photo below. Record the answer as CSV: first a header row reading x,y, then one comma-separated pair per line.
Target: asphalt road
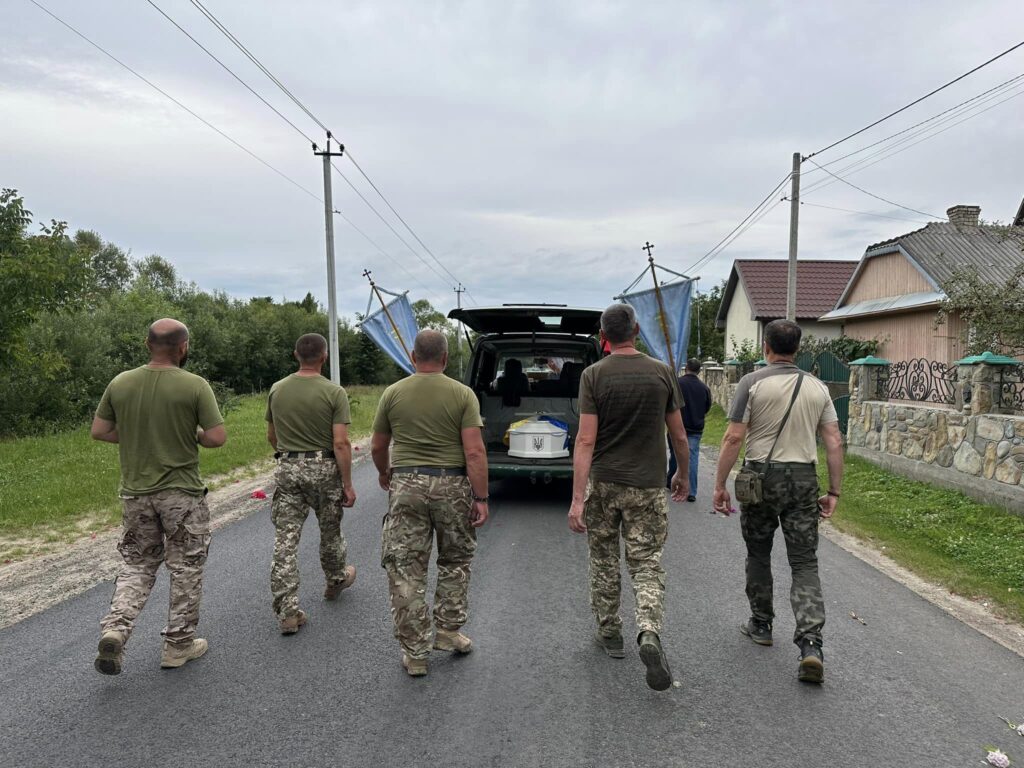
x,y
912,687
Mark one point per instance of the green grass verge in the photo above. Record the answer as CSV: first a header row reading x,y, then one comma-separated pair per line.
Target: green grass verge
x,y
59,486
973,549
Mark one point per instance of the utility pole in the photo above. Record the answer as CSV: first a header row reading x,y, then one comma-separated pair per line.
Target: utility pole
x,y
458,339
794,223
332,298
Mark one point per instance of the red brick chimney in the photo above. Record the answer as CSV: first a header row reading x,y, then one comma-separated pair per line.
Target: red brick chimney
x,y
964,215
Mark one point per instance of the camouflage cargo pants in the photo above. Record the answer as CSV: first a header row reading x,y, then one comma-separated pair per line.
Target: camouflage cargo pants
x,y
790,500
640,517
419,507
169,527
301,485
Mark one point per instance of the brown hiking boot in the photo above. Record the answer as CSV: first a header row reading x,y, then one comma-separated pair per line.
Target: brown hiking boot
x,y
108,660
290,624
447,640
415,667
176,655
335,588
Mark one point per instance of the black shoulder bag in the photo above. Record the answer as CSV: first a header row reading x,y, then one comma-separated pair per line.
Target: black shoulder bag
x,y
749,483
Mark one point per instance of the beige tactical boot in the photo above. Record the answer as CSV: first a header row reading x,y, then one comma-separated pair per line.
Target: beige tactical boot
x,y
447,640
335,588
108,660
291,624
175,655
415,667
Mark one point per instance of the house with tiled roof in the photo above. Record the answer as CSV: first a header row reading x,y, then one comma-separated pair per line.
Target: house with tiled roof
x,y
755,294
896,289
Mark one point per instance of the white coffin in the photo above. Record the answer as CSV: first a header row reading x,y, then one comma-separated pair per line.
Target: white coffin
x,y
537,440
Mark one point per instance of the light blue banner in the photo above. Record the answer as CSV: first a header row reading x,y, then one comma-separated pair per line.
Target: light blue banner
x,y
676,298
378,328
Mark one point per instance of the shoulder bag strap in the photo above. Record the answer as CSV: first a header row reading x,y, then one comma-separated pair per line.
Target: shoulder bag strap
x,y
785,418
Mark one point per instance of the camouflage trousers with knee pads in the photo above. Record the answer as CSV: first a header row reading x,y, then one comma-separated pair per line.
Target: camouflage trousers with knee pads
x,y
639,516
301,485
790,501
171,527
420,507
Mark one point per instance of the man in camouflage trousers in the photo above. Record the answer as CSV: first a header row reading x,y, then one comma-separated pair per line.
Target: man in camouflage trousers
x,y
430,455
159,415
307,423
783,450
626,401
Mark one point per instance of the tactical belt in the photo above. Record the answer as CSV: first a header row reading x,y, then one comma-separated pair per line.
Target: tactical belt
x,y
778,464
304,455
430,471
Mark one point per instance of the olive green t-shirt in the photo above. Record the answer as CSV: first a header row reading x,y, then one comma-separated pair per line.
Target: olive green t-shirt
x,y
304,410
630,394
425,414
157,411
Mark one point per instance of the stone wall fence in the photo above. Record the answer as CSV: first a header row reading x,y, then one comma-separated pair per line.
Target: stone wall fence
x,y
972,442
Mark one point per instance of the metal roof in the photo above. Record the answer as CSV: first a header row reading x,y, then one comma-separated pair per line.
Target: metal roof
x,y
886,305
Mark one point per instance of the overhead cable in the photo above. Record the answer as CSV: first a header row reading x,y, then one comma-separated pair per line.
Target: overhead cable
x,y
859,213
877,197
917,100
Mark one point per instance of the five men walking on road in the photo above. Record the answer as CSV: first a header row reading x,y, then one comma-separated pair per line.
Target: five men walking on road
x,y
159,415
429,452
777,411
307,424
626,400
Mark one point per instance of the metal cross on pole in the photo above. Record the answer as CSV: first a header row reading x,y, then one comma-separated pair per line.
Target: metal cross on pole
x,y
649,246
661,308
332,298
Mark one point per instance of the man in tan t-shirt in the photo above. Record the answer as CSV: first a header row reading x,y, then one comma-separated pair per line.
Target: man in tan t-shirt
x,y
430,454
786,457
158,415
307,423
619,465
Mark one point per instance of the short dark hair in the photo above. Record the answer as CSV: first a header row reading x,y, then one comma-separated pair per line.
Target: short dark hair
x,y
782,337
310,347
168,339
693,365
619,323
430,346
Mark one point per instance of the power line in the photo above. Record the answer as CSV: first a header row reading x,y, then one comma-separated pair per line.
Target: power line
x,y
858,213
230,71
164,93
917,101
1002,86
721,244
217,130
872,194
252,57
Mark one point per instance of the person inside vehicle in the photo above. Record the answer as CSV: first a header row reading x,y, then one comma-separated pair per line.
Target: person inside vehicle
x,y
512,384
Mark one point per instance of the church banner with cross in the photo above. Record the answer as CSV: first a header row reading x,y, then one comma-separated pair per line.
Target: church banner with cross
x,y
673,321
392,327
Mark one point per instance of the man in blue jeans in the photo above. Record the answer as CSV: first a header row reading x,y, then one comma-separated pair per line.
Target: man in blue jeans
x,y
696,404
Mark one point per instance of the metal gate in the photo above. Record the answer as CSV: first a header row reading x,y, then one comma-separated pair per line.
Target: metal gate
x,y
835,374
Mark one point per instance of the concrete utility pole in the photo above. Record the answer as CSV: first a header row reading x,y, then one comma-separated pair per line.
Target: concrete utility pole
x,y
458,339
332,298
794,222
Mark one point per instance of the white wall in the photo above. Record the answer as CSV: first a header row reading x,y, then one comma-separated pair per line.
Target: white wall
x,y
821,330
739,323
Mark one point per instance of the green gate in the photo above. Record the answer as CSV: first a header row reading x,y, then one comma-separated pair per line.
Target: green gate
x,y
835,374
842,405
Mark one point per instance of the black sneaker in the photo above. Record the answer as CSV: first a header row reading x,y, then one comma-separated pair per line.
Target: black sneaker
x,y
691,499
758,631
612,645
812,662
658,675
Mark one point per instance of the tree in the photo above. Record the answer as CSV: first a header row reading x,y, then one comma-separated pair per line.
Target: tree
x,y
38,273
112,269
993,313
703,313
428,317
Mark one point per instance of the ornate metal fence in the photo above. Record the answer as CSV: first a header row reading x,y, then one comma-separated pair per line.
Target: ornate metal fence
x,y
1012,387
921,380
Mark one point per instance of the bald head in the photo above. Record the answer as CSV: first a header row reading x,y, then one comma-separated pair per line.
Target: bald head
x,y
168,341
430,350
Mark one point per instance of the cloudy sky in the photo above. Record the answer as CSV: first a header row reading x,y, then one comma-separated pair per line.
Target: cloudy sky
x,y
533,146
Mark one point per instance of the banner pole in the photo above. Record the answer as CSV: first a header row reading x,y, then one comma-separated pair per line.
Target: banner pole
x,y
394,327
662,318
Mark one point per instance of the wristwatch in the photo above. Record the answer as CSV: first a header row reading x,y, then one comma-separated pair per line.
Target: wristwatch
x,y
480,499
833,494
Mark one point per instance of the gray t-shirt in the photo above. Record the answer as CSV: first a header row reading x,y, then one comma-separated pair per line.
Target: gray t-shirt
x,y
760,402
